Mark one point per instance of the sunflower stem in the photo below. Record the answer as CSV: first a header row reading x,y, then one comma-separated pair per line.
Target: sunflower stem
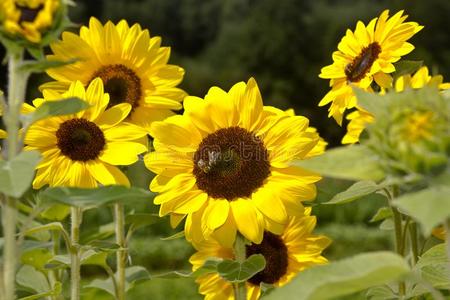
x,y
240,290
121,255
16,95
414,243
75,278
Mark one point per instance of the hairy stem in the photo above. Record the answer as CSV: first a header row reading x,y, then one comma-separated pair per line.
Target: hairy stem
x,y
76,216
119,218
16,95
240,290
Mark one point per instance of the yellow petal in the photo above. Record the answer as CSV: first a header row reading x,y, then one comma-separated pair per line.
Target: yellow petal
x,y
106,174
122,153
215,215
249,221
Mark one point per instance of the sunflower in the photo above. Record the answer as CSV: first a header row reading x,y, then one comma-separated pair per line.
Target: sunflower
x,y
132,65
286,254
364,56
360,118
83,149
28,18
226,164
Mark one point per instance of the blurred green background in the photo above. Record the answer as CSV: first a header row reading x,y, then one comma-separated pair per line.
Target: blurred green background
x,y
283,44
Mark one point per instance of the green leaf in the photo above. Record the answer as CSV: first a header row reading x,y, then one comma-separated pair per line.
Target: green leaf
x,y
141,220
387,224
58,262
354,162
354,192
382,214
17,174
42,65
381,293
32,279
91,257
175,236
434,266
101,284
234,271
58,108
209,266
343,277
404,67
49,227
104,245
57,289
56,212
429,207
134,275
88,198
37,258
372,102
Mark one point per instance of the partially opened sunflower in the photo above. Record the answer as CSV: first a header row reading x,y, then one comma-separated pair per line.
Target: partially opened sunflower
x,y
226,164
366,55
84,149
286,254
132,65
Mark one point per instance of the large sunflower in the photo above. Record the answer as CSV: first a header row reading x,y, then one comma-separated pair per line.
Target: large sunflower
x,y
132,65
364,56
28,18
83,149
293,251
360,118
226,164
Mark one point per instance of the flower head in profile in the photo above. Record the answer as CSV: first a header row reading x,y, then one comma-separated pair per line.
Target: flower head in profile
x,y
366,55
84,149
295,249
28,18
226,165
132,65
360,118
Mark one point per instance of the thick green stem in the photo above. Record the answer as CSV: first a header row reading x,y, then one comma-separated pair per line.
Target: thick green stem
x,y
240,290
76,216
414,243
119,217
16,95
398,226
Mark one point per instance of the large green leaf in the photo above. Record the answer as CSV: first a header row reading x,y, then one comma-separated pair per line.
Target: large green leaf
x,y
141,220
382,214
37,257
429,206
343,277
234,271
32,279
96,197
434,266
57,108
354,192
209,266
17,174
354,162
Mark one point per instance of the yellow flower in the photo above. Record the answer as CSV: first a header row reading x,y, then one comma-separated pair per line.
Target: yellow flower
x,y
226,163
83,149
365,55
360,118
28,18
132,65
287,254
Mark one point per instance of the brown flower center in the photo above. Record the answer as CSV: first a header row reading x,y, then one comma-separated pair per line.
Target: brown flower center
x,y
80,139
28,14
275,252
358,68
230,163
121,83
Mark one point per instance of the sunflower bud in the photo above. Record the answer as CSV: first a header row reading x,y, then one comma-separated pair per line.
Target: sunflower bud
x,y
31,23
412,132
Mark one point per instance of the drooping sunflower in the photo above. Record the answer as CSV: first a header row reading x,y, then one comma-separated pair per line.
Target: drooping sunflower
x,y
226,164
364,56
28,18
84,149
286,254
132,65
360,118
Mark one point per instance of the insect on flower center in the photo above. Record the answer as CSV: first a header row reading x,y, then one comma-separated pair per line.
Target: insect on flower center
x,y
80,139
28,14
358,68
230,163
275,252
121,83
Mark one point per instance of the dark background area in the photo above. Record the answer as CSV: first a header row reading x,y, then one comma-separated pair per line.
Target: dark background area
x,y
283,43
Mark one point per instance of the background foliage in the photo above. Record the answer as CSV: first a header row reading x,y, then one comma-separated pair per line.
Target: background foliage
x,y
283,44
